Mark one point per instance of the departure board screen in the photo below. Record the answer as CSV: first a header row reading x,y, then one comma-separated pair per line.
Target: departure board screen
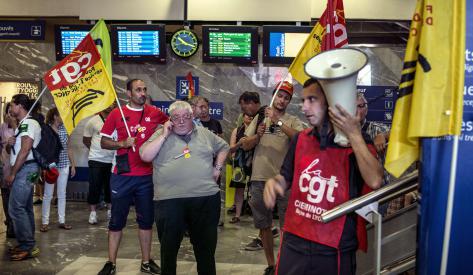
x,y
230,44
70,40
286,44
140,43
282,43
68,37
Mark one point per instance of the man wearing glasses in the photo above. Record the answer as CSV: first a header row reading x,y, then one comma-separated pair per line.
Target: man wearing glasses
x,y
378,132
186,193
131,181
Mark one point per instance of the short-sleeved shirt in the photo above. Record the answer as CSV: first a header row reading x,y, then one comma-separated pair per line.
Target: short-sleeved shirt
x,y
31,128
92,130
63,155
175,176
142,123
213,125
271,149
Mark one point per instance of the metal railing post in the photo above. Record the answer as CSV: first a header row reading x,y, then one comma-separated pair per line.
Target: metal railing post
x,y
377,223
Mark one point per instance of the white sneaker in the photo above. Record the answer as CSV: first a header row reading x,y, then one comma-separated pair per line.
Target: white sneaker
x,y
93,217
109,214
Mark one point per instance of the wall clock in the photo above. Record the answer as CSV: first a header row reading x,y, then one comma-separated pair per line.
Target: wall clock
x,y
184,43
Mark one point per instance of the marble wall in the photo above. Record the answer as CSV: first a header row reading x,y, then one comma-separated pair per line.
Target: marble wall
x,y
218,82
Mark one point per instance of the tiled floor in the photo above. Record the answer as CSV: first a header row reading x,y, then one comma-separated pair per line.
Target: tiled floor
x,y
83,250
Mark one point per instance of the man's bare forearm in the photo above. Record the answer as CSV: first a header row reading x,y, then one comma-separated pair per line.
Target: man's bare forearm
x,y
110,144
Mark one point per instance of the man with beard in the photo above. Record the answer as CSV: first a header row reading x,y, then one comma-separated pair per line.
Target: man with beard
x,y
271,144
100,164
23,174
131,181
323,175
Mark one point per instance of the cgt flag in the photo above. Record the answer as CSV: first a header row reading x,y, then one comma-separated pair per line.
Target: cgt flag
x,y
335,28
80,84
430,102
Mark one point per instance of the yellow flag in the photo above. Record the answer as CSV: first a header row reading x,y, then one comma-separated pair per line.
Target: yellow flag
x,y
101,39
311,47
80,84
430,102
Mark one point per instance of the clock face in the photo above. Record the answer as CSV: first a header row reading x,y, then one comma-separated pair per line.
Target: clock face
x,y
184,43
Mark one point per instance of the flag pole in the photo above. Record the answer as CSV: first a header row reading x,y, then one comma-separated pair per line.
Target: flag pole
x,y
449,212
109,79
34,104
124,120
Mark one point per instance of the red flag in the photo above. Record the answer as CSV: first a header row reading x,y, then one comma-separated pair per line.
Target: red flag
x,y
191,85
330,32
336,31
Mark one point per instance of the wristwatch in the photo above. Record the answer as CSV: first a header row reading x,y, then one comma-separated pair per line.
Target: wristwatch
x,y
279,123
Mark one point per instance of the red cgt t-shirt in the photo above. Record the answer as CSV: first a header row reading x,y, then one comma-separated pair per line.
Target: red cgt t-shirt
x,y
142,123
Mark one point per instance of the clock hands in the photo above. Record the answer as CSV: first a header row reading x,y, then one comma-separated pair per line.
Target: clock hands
x,y
185,43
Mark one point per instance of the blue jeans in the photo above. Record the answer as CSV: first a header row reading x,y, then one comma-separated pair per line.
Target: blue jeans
x,y
20,207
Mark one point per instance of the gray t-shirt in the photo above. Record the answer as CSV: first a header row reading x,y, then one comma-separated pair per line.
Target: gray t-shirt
x,y
178,176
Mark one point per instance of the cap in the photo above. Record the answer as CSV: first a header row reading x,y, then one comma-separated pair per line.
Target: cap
x,y
286,86
50,175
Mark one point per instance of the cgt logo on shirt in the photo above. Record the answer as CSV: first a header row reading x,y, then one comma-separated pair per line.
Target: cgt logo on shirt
x,y
138,128
316,185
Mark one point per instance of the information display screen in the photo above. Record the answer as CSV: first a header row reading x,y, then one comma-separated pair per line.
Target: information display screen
x,y
230,44
282,43
70,40
141,43
138,42
67,37
285,44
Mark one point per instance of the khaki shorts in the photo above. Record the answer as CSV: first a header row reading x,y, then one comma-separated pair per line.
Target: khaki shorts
x,y
263,217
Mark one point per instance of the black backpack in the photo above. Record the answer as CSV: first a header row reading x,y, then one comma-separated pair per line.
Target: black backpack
x,y
46,153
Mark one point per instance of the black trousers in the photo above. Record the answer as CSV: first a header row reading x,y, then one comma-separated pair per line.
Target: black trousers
x,y
198,215
99,181
5,198
298,256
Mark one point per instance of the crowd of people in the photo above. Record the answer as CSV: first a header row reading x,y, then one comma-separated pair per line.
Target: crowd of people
x,y
169,168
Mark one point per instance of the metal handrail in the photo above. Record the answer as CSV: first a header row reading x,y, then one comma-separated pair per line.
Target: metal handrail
x,y
357,203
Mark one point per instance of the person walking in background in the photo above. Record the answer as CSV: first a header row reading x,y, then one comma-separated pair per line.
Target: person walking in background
x,y
65,162
239,165
7,129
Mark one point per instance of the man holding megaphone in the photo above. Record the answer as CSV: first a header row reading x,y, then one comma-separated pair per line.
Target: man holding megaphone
x,y
322,174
